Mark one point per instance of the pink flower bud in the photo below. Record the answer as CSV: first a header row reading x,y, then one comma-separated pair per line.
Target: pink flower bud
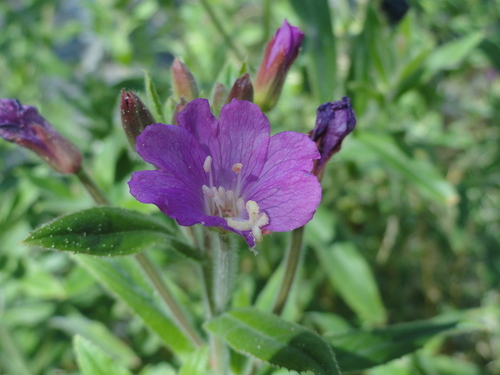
x,y
219,96
281,52
23,125
183,82
178,107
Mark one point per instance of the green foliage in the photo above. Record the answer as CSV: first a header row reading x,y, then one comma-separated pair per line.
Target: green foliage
x,y
360,350
123,279
107,231
408,227
274,340
94,361
352,278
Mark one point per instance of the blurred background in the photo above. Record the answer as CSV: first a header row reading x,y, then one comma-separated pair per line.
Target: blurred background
x,y
409,226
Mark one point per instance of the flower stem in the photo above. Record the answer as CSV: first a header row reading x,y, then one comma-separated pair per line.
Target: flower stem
x,y
220,29
224,267
95,192
143,261
292,261
155,278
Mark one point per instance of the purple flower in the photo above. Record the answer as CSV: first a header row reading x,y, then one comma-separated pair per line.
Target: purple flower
x,y
228,173
23,125
281,52
334,121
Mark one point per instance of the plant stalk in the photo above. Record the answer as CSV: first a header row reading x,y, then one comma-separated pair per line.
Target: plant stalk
x,y
95,192
224,267
220,29
167,296
292,262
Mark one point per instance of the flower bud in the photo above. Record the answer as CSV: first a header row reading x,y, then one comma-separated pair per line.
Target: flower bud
x,y
242,89
334,121
219,96
135,115
23,125
183,82
281,52
178,107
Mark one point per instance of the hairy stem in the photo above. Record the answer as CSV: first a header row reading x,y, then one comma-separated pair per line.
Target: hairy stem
x,y
292,261
224,270
95,192
224,267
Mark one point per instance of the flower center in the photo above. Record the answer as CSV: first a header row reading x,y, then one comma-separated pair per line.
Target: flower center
x,y
230,206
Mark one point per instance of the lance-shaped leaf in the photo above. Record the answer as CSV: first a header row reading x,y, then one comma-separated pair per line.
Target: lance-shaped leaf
x,y
122,278
94,361
350,274
153,97
359,350
107,231
274,340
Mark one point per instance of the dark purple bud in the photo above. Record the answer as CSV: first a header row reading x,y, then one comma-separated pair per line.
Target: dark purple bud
x,y
23,125
183,82
135,116
334,121
242,89
281,52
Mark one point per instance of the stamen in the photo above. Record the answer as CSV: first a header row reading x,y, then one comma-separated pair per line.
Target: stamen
x,y
237,167
240,204
207,191
207,165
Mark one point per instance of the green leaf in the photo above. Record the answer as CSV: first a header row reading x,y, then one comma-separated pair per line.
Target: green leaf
x,y
94,361
351,276
154,99
319,46
274,340
107,231
122,277
451,54
360,349
422,175
411,75
197,363
324,322
97,333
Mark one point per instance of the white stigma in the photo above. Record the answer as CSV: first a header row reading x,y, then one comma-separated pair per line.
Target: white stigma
x,y
256,220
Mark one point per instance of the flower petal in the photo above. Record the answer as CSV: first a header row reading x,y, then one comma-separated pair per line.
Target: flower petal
x,y
286,191
180,159
197,119
243,137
